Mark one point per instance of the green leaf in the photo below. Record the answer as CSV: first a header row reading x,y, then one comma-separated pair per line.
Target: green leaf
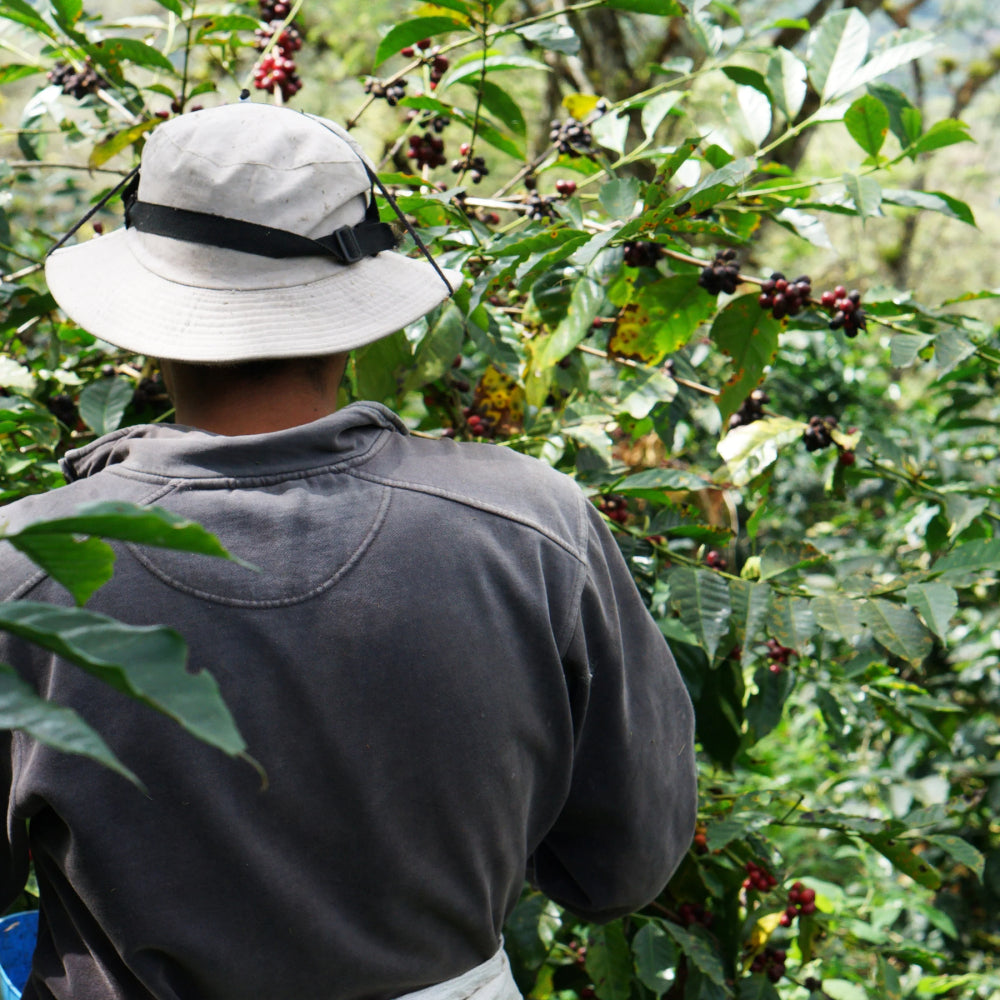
x,y
946,132
973,557
837,49
660,479
897,629
102,404
662,8
962,851
896,103
805,225
750,604
838,615
18,71
757,987
748,450
867,120
744,76
702,599
437,349
609,962
696,946
866,193
500,104
756,108
934,201
766,706
24,13
786,79
656,109
655,958
749,335
611,131
888,60
174,6
81,565
145,662
225,24
493,64
131,523
105,150
903,859
54,725
67,12
719,184
409,32
528,931
791,621
550,35
587,297
660,318
936,603
113,51
618,196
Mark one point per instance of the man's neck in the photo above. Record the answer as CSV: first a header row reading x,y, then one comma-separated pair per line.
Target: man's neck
x,y
231,402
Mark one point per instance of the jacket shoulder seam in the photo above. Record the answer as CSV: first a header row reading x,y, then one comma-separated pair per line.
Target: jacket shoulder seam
x,y
475,502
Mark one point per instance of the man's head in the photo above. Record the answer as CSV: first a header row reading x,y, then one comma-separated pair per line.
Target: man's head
x,y
171,285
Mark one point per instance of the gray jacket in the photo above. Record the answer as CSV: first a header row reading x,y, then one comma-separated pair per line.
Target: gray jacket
x,y
444,668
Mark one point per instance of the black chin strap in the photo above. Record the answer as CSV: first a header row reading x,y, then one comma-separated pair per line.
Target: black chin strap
x,y
346,245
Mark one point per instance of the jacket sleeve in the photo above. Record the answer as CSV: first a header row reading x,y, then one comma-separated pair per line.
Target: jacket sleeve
x,y
632,805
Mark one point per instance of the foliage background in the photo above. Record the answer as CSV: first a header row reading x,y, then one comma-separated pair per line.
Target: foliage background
x,y
834,610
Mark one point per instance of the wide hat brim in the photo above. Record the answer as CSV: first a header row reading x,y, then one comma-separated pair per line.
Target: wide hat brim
x,y
105,287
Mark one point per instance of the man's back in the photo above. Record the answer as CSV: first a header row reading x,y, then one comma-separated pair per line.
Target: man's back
x,y
443,667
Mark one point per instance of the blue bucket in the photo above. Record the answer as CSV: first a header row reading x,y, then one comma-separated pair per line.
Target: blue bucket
x,y
18,933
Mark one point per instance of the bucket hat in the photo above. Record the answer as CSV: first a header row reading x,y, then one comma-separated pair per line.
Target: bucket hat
x,y
314,273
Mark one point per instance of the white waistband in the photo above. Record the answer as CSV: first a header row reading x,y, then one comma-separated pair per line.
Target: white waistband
x,y
490,981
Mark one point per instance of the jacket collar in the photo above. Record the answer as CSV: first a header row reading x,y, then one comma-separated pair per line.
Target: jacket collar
x,y
174,451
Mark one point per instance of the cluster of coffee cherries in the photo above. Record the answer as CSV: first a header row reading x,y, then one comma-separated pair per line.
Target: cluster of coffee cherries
x,y
692,914
75,83
700,841
783,297
771,962
565,188
847,312
801,903
477,424
427,119
751,409
391,93
62,407
277,70
758,878
817,433
572,138
427,149
715,559
722,275
438,64
475,165
777,655
640,254
150,392
613,507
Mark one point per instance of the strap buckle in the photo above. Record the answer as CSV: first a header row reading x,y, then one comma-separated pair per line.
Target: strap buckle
x,y
345,242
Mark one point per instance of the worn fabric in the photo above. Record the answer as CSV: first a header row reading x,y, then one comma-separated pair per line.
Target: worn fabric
x,y
492,980
442,664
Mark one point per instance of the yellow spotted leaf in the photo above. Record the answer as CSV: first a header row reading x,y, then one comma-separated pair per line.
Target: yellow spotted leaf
x,y
660,318
580,105
499,401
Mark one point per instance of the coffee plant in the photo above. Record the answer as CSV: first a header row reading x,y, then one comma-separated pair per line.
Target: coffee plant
x,y
799,472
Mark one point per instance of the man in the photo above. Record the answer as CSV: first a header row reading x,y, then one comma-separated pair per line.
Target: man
x,y
442,663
